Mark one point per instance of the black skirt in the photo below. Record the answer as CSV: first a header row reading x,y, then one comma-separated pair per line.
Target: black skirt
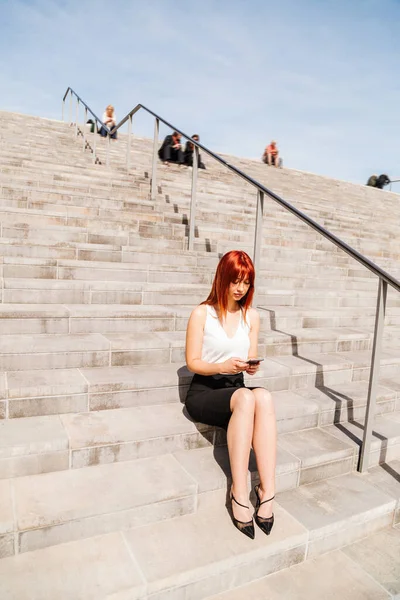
x,y
208,399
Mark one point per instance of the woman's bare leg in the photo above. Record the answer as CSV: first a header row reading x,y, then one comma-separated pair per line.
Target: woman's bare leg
x,y
264,446
240,433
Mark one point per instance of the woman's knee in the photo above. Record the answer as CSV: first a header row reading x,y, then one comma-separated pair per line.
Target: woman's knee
x,y
263,400
244,400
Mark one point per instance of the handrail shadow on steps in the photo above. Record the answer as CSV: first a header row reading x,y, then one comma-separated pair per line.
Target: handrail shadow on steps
x,y
342,401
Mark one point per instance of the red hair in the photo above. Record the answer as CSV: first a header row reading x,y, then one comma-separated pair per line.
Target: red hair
x,y
234,265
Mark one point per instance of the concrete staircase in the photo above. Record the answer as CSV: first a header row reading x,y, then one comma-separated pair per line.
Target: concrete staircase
x,y
102,474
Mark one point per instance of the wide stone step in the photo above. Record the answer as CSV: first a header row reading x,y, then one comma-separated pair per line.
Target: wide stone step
x,y
53,351
48,290
56,208
365,569
115,318
115,556
108,569
88,318
39,268
53,508
98,220
59,351
271,343
290,276
25,393
53,443
58,507
80,234
105,564
268,251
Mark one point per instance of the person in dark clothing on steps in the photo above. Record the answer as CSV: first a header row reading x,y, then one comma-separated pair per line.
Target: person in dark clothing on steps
x,y
378,182
171,149
189,149
382,181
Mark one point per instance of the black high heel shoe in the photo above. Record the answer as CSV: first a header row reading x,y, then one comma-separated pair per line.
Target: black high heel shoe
x,y
264,523
246,527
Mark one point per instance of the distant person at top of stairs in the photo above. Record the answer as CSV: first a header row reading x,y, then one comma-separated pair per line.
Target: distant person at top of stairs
x,y
221,344
378,182
271,155
188,154
171,149
110,120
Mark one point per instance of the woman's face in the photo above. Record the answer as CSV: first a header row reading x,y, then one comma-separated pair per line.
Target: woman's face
x,y
238,288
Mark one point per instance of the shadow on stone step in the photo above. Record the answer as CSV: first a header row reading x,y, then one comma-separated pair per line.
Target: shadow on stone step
x,y
342,401
212,435
358,439
196,231
390,471
337,397
319,375
216,436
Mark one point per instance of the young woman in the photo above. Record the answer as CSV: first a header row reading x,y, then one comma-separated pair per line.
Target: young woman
x,y
110,120
221,337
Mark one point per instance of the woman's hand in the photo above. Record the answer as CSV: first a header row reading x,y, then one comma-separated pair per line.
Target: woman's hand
x,y
252,369
233,366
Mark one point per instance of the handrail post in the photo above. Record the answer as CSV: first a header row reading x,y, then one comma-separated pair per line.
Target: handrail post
x,y
76,117
193,198
258,232
70,108
128,148
94,140
84,128
153,189
62,110
374,376
108,150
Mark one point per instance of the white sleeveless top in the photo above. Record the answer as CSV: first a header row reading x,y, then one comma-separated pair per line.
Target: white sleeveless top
x,y
218,346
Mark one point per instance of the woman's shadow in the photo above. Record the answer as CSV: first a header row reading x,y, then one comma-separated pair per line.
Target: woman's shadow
x,y
213,436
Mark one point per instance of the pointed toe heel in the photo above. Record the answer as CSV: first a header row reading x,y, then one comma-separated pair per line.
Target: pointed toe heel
x,y
264,523
246,527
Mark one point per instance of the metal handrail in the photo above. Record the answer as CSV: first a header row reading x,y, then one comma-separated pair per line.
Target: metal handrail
x,y
393,181
86,106
385,278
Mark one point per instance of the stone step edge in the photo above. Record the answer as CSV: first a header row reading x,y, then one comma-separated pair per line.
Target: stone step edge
x,y
176,375
275,555
25,455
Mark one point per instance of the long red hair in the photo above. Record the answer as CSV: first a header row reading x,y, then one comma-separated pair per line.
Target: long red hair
x,y
234,265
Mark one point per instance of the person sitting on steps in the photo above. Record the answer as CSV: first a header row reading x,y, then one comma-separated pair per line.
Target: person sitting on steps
x,y
271,155
110,120
221,337
171,149
378,182
188,155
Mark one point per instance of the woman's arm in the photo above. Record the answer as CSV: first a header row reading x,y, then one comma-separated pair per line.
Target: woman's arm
x,y
194,345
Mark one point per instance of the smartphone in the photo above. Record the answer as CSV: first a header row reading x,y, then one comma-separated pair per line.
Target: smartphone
x,y
254,361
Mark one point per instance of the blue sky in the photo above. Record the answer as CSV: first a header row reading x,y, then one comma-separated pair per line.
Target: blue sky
x,y
320,76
